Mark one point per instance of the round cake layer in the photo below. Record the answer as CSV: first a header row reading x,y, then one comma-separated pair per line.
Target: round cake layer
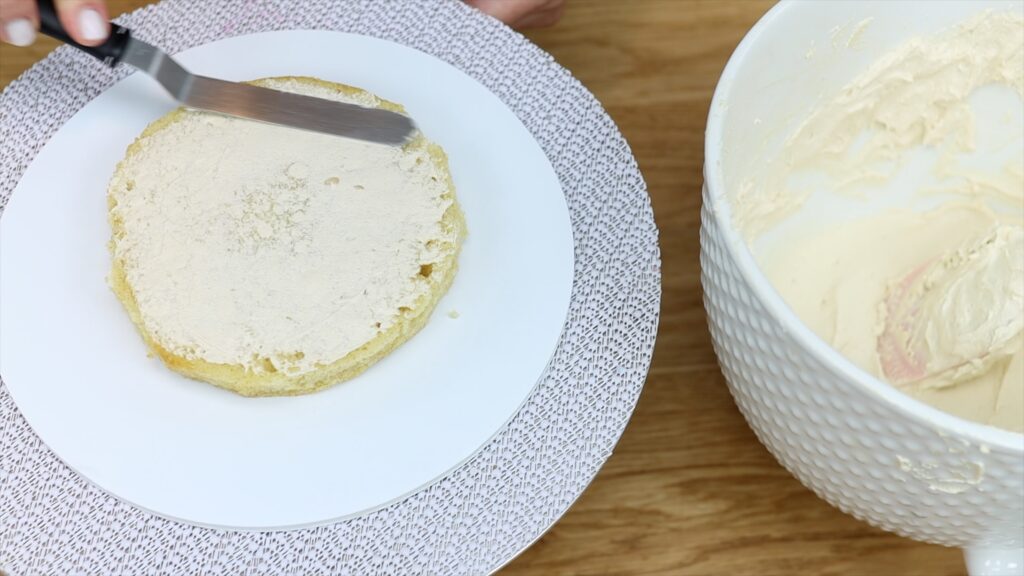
x,y
269,260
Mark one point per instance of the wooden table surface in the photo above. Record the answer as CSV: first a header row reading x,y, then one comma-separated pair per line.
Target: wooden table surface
x,y
689,489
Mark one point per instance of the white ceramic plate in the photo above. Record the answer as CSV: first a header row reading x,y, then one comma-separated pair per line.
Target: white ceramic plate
x,y
79,372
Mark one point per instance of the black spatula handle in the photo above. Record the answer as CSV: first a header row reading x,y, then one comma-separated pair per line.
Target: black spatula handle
x,y
109,52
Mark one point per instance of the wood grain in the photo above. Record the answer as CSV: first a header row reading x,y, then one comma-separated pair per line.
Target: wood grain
x,y
689,489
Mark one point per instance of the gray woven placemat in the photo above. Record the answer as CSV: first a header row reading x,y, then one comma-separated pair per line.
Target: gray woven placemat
x,y
53,521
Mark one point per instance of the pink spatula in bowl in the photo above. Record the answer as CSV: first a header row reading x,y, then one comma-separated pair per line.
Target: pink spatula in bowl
x,y
954,317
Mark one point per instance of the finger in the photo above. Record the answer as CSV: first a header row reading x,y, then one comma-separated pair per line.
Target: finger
x,y
505,11
86,21
541,19
18,21
522,13
508,11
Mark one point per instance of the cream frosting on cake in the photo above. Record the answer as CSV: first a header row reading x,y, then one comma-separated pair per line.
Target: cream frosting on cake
x,y
275,250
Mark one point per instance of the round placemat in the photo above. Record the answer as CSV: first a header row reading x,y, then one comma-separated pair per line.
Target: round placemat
x,y
482,514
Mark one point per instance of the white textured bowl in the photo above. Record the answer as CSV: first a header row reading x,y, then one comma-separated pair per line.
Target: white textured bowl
x,y
855,441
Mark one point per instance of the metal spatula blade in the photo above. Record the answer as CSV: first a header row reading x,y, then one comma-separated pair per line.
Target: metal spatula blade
x,y
235,99
266,105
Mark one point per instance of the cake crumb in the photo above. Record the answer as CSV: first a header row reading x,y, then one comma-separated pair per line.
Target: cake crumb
x,y
453,314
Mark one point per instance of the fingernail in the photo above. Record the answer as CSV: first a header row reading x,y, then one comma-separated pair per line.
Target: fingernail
x,y
91,25
20,32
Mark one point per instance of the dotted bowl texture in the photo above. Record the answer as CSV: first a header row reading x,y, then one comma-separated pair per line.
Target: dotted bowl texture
x,y
871,458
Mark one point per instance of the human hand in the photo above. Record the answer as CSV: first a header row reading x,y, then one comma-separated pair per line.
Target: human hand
x,y
86,21
522,13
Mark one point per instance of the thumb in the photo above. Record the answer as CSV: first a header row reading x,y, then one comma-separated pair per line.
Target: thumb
x,y
508,11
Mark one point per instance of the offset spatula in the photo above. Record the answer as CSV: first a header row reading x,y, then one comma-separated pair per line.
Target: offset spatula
x,y
241,100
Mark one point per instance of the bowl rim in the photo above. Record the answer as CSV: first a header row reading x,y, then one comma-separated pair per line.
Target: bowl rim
x,y
943,423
